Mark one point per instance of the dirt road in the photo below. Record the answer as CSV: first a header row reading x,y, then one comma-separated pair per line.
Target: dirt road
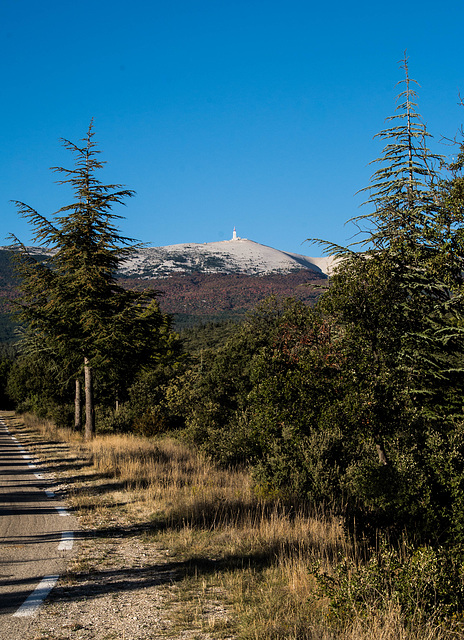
x,y
36,537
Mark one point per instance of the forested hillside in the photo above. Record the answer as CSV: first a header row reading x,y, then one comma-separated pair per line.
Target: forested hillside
x,y
8,291
201,298
191,298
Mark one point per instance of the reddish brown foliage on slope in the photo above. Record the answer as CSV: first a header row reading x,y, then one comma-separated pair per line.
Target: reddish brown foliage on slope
x,y
210,294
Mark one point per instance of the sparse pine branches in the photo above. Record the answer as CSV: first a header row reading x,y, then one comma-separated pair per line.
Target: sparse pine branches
x,y
403,188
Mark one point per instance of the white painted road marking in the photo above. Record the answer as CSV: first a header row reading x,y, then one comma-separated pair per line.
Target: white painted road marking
x,y
34,601
67,539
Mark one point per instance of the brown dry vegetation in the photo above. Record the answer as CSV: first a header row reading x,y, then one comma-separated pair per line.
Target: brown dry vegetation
x,y
208,296
229,563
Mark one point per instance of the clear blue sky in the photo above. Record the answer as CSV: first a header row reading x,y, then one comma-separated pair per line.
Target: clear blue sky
x,y
254,113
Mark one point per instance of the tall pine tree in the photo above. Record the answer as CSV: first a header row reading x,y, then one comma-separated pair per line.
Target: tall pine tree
x,y
397,304
73,300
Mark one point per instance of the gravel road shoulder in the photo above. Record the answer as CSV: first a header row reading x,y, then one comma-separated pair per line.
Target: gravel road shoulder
x,y
120,583
120,587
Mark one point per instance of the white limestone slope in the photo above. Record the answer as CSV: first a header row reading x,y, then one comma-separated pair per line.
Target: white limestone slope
x,y
238,255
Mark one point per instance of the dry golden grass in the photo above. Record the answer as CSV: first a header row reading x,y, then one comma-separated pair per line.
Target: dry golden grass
x,y
246,558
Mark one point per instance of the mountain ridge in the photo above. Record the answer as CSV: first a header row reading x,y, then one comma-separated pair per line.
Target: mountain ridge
x,y
236,256
199,283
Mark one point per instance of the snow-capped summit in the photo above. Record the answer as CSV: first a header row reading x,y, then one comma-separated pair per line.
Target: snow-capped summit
x,y
234,256
238,255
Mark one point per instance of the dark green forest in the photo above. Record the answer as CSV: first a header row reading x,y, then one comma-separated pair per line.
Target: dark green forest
x,y
354,403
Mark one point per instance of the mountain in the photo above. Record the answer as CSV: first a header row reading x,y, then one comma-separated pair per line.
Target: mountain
x,y
236,256
217,281
200,283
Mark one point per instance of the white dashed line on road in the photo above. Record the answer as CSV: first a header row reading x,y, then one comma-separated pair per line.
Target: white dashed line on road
x,y
67,540
32,604
35,600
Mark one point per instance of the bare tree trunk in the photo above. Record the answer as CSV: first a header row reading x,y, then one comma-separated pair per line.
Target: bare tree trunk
x,y
382,455
89,408
78,407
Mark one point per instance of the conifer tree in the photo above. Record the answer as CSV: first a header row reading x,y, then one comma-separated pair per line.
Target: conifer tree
x,y
398,305
403,189
377,293
418,226
407,231
73,300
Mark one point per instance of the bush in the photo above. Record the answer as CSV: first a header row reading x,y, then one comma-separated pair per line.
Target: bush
x,y
424,582
111,420
150,423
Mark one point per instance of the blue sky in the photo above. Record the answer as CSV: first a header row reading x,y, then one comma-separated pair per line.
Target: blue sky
x,y
254,114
